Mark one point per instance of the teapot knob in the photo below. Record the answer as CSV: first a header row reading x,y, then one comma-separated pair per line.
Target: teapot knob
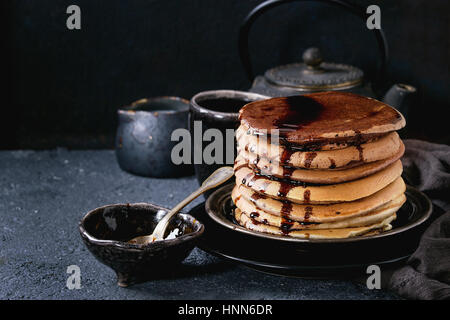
x,y
312,57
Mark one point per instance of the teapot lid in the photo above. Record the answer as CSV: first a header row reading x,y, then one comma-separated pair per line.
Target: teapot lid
x,y
315,75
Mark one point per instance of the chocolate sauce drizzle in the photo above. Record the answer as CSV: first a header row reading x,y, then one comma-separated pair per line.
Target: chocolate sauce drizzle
x,y
240,167
286,223
286,155
308,210
360,149
256,160
309,159
308,213
284,189
287,172
253,217
255,177
306,196
256,196
332,163
358,145
302,111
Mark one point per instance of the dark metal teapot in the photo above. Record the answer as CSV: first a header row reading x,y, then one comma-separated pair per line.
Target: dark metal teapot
x,y
314,74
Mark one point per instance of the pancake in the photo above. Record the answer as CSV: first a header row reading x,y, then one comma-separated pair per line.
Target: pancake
x,y
321,213
383,148
375,216
326,176
321,166
343,192
247,223
341,144
321,118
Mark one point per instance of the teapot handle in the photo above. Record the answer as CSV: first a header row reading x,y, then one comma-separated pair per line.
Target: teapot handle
x,y
269,4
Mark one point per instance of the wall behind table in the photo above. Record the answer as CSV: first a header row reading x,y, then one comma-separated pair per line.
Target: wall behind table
x,y
64,87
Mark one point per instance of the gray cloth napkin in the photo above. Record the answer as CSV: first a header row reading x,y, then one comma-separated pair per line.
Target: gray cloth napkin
x,y
426,274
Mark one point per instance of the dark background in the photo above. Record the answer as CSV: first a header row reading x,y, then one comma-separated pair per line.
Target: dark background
x,y
63,87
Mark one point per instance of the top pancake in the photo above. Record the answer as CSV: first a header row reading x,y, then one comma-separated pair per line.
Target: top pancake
x,y
321,118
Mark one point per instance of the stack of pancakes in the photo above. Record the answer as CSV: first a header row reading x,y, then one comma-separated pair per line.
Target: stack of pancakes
x,y
322,165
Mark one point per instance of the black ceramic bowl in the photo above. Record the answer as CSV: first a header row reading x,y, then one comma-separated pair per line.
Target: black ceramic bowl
x,y
106,230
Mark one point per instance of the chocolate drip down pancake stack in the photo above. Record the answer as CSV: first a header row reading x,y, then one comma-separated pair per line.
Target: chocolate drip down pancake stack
x,y
322,165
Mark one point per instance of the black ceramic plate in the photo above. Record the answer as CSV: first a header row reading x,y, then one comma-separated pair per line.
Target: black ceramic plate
x,y
310,258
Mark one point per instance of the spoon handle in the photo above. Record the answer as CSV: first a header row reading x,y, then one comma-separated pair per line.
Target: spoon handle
x,y
216,178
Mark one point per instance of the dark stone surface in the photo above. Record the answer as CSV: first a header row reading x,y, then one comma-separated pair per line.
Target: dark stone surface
x,y
44,194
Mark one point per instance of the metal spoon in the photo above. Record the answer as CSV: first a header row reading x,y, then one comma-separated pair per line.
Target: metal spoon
x,y
216,178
